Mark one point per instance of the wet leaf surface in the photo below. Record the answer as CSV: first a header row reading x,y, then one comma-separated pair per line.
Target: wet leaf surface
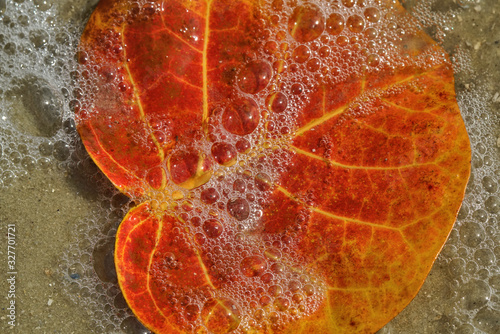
x,y
292,177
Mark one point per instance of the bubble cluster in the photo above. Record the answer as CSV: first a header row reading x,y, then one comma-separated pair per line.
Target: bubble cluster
x,y
309,43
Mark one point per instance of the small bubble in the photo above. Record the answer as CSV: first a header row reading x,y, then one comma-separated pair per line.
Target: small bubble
x,y
484,257
335,24
200,238
355,23
271,47
371,34
308,289
480,215
212,228
189,168
192,312
277,102
487,320
313,65
349,3
253,266
209,196
492,204
262,181
265,300
221,315
241,117
275,290
372,14
282,303
373,60
475,294
132,326
259,315
254,77
239,208
301,54
472,234
297,89
224,154
243,146
306,23
39,38
61,150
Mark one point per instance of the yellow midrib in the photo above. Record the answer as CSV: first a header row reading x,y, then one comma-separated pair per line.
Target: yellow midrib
x,y
205,66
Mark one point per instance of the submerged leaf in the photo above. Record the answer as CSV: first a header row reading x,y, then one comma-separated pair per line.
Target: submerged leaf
x,y
298,167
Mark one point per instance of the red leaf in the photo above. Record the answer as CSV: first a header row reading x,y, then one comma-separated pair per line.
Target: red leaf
x,y
299,167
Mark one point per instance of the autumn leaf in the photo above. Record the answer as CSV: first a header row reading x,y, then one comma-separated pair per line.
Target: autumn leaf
x,y
298,164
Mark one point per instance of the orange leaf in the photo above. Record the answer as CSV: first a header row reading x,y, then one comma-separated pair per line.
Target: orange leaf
x,y
299,167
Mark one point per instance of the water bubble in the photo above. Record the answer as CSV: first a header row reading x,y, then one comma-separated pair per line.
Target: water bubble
x,y
273,254
492,204
475,294
221,315
465,329
488,320
267,277
239,208
241,117
301,54
277,102
373,60
61,150
10,48
355,23
131,325
200,238
456,267
484,257
372,14
308,289
192,312
212,228
75,271
224,154
335,24
29,163
472,234
306,23
349,3
119,302
313,65
254,77
209,196
275,290
39,38
297,89
480,215
262,181
243,146
253,266
239,185
42,108
42,5
104,263
189,168
265,300
282,303
271,47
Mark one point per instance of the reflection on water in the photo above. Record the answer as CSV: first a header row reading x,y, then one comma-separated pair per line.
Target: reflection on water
x,y
43,166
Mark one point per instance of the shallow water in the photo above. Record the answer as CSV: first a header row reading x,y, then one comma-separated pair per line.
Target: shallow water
x,y
62,207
